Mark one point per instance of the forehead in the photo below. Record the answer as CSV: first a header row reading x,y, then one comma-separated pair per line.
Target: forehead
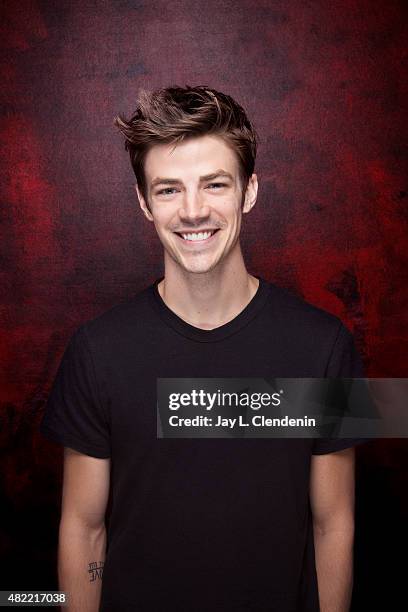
x,y
193,157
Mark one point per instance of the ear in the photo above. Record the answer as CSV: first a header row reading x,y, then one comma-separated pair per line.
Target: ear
x,y
250,194
143,204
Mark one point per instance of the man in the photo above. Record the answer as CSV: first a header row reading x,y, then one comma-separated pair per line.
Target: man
x,y
199,524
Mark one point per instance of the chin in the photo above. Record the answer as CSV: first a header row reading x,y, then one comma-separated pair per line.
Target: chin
x,y
197,268
194,265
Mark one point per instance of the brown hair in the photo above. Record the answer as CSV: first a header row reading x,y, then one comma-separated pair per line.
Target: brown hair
x,y
172,114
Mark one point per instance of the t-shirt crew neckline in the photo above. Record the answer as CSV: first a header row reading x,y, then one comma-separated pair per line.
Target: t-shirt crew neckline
x,y
242,319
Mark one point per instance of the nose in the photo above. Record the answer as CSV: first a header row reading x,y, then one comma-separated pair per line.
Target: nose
x,y
193,209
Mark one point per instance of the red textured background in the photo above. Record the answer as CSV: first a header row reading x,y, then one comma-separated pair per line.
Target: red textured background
x,y
324,85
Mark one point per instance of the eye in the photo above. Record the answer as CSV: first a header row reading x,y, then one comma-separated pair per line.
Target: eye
x,y
166,191
217,185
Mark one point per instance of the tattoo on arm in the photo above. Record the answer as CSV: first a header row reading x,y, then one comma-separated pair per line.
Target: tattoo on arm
x,y
95,570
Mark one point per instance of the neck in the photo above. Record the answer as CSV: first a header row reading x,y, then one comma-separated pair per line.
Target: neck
x,y
210,299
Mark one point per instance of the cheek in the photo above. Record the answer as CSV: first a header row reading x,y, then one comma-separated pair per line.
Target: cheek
x,y
233,212
228,208
161,221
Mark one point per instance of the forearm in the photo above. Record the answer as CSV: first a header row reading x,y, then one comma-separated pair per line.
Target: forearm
x,y
81,556
334,566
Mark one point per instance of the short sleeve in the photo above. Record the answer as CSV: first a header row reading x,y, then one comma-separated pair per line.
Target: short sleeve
x,y
74,414
344,362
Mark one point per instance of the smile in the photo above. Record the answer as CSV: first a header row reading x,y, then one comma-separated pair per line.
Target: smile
x,y
197,237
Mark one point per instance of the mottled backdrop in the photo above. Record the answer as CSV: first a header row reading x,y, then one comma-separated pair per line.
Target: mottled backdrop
x,y
324,85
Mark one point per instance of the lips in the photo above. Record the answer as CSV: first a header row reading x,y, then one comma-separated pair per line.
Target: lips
x,y
203,230
197,242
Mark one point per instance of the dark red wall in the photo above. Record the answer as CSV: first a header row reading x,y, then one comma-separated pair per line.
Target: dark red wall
x,y
324,85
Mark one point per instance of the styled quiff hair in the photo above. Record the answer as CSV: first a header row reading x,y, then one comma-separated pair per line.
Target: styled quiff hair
x,y
175,113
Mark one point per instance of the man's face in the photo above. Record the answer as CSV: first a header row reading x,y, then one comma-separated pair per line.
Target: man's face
x,y
195,198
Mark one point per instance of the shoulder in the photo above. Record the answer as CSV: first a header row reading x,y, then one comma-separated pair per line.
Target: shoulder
x,y
119,321
290,309
320,337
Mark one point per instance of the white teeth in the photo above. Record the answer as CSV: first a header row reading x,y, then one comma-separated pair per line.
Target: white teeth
x,y
200,236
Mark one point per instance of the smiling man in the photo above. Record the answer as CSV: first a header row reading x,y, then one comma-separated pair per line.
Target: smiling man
x,y
182,524
196,193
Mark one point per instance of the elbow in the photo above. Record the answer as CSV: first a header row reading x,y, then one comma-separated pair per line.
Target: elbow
x,y
343,524
73,527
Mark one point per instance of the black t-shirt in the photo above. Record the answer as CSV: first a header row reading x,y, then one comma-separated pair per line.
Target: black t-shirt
x,y
199,524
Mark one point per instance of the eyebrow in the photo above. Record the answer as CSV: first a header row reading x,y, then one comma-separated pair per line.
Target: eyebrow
x,y
174,181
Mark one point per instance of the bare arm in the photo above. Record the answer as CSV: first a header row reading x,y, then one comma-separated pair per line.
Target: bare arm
x,y
82,534
332,504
